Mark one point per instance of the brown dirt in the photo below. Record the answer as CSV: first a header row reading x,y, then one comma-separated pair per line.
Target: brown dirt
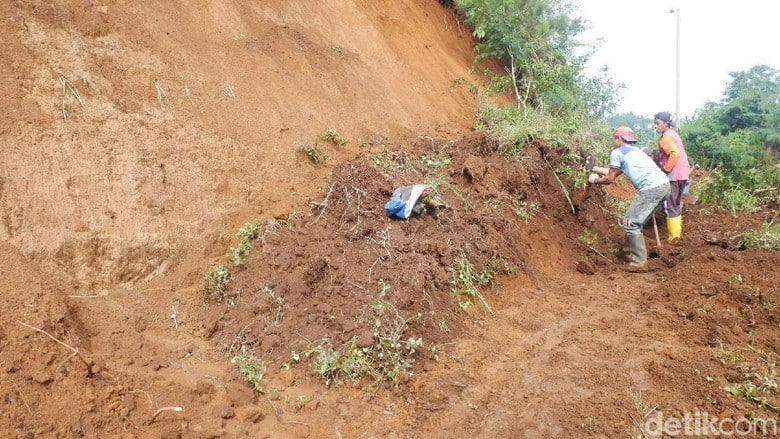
x,y
138,138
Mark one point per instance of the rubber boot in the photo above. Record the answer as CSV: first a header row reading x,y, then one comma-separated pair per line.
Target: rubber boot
x,y
674,227
637,253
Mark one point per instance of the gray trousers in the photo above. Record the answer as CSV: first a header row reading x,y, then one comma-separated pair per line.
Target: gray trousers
x,y
642,206
673,203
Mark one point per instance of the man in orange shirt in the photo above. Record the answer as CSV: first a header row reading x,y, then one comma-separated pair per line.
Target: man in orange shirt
x,y
673,161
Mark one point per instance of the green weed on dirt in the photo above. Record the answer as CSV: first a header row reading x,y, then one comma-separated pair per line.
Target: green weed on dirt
x,y
245,235
251,368
215,282
466,282
767,237
330,135
390,355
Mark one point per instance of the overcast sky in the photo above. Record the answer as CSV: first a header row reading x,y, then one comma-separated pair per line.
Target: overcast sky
x,y
716,37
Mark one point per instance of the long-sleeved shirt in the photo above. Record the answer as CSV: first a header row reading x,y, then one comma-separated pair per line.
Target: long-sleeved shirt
x,y
674,159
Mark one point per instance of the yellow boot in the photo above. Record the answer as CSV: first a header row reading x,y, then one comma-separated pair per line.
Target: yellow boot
x,y
674,227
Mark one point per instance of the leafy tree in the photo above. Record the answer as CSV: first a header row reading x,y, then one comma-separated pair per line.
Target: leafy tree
x,y
752,100
536,41
738,139
642,126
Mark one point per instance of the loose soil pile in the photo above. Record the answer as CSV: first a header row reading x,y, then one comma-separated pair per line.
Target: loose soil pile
x,y
346,275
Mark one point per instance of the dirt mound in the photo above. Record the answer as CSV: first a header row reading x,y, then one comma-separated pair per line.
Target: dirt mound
x,y
346,275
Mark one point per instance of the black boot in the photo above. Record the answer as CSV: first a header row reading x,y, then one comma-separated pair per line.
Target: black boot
x,y
637,253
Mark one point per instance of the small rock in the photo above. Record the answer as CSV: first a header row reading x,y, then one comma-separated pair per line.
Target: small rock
x,y
365,339
95,369
158,364
302,431
324,307
474,168
585,267
287,377
203,388
269,342
251,414
239,395
223,411
42,378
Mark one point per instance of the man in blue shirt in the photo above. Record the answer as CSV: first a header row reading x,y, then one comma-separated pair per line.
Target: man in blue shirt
x,y
650,182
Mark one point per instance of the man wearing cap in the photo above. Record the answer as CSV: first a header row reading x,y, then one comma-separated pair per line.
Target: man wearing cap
x,y
652,186
674,162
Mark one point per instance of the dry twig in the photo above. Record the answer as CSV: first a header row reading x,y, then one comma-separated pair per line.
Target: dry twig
x,y
565,191
71,348
279,416
599,253
323,205
164,409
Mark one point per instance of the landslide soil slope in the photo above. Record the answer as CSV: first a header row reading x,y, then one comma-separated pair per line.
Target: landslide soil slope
x,y
138,138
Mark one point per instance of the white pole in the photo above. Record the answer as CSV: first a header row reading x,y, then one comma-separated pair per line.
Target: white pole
x,y
677,115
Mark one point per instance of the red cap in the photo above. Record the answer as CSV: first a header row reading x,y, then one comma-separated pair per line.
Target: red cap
x,y
625,133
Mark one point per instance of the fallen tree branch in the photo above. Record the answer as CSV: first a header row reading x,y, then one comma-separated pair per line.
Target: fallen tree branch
x,y
71,348
164,409
565,191
599,253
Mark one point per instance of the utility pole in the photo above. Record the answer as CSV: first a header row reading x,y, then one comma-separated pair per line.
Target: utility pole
x,y
677,115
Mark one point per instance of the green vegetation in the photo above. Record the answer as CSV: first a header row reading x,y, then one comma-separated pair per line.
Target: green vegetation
x,y
466,282
738,140
767,236
390,161
525,210
245,234
315,154
587,238
536,41
386,359
516,127
760,384
434,163
620,206
216,281
752,393
330,135
250,367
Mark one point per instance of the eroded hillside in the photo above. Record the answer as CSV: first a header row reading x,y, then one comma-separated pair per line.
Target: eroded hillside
x,y
136,133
